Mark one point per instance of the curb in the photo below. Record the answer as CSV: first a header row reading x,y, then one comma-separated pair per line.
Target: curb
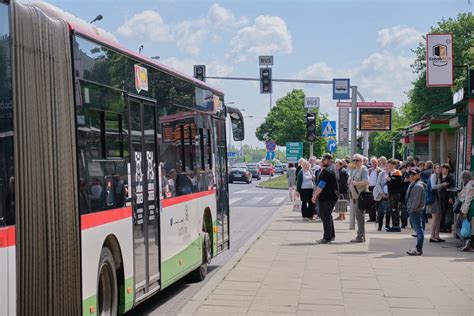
x,y
197,300
261,187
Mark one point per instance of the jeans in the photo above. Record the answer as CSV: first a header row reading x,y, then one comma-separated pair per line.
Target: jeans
x,y
325,212
383,210
417,220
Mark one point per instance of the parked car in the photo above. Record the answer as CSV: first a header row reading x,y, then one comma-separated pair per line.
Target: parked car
x,y
267,169
285,167
254,169
279,169
240,174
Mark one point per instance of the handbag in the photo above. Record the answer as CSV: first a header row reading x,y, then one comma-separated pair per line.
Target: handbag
x,y
466,229
457,207
297,206
341,204
365,201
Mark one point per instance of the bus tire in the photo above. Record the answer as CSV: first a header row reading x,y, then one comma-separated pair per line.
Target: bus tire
x,y
107,292
200,273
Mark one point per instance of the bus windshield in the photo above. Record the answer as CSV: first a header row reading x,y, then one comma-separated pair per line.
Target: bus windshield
x,y
6,123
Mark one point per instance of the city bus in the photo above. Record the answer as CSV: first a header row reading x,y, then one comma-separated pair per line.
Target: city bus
x,y
113,169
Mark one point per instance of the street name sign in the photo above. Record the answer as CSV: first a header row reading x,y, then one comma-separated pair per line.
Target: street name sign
x,y
341,89
439,60
366,105
294,151
265,60
231,154
329,128
311,102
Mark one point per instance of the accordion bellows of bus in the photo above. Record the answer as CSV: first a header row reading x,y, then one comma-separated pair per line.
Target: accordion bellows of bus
x,y
113,169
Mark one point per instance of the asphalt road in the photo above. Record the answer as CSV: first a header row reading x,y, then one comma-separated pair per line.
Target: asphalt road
x,y
250,208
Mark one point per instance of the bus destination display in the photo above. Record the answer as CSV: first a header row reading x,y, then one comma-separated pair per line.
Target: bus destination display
x,y
375,119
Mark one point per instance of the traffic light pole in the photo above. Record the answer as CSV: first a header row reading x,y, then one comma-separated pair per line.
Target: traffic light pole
x,y
354,120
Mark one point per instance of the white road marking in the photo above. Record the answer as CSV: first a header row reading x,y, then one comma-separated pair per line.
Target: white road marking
x,y
231,201
254,200
243,191
277,200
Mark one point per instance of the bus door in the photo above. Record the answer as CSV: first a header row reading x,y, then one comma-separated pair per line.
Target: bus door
x,y
144,193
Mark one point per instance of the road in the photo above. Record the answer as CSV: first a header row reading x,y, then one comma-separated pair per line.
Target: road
x,y
250,208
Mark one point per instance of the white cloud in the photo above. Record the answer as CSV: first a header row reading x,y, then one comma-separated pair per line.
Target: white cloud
x,y
188,35
146,25
399,35
268,35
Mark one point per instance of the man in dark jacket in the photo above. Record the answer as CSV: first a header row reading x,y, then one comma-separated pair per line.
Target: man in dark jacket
x,y
395,186
415,203
327,194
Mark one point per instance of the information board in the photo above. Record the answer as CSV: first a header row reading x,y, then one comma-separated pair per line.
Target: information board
x,y
375,119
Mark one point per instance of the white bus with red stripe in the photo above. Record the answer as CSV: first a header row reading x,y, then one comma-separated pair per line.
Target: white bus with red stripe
x,y
150,194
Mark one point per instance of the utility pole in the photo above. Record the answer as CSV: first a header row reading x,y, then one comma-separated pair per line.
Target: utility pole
x,y
354,121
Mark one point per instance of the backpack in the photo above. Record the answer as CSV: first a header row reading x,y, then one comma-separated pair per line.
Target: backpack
x,y
429,194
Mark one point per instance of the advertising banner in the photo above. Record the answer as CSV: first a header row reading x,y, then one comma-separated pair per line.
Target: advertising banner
x,y
439,60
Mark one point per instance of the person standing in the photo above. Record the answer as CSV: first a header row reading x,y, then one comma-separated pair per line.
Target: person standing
x,y
291,175
435,207
380,193
358,183
374,171
447,199
395,184
415,202
466,196
343,189
298,167
304,186
327,194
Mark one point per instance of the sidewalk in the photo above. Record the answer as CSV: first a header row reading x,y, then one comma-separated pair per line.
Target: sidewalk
x,y
285,271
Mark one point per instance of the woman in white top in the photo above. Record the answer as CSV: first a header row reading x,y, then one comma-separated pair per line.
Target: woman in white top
x,y
435,207
304,186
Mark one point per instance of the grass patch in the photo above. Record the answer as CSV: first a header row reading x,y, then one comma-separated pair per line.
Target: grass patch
x,y
280,182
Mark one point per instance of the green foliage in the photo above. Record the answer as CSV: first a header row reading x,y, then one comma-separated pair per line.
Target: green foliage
x,y
427,100
280,182
381,142
286,123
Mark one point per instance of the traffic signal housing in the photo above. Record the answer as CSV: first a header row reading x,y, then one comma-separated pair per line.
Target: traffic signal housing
x,y
311,127
200,72
265,80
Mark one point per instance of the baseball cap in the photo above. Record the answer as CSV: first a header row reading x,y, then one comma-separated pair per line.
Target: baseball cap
x,y
414,170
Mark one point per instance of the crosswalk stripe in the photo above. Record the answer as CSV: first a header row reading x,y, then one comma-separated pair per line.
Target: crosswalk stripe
x,y
277,200
231,201
254,200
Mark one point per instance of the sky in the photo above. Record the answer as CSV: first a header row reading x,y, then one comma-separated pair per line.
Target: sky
x,y
369,42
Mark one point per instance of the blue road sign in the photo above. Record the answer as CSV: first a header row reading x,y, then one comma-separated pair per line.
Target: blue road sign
x,y
270,145
270,155
329,128
231,154
341,89
332,145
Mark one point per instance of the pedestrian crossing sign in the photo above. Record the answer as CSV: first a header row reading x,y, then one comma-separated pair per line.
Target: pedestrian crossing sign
x,y
329,128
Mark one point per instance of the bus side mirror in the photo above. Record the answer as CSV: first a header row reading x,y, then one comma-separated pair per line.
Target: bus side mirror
x,y
237,121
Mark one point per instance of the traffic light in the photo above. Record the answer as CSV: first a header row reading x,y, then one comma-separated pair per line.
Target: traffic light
x,y
200,72
360,142
311,127
265,80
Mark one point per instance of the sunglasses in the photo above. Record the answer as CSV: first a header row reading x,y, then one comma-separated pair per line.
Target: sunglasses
x,y
355,160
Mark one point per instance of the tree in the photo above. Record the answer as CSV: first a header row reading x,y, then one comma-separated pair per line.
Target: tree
x,y
381,142
286,123
428,100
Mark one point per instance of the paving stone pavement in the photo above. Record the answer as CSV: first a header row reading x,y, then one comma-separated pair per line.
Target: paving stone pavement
x,y
286,272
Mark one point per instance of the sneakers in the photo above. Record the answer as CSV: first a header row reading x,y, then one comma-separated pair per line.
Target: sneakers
x,y
414,236
358,239
414,252
467,246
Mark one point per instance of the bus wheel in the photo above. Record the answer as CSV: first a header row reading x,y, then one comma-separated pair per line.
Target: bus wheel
x,y
107,285
200,273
